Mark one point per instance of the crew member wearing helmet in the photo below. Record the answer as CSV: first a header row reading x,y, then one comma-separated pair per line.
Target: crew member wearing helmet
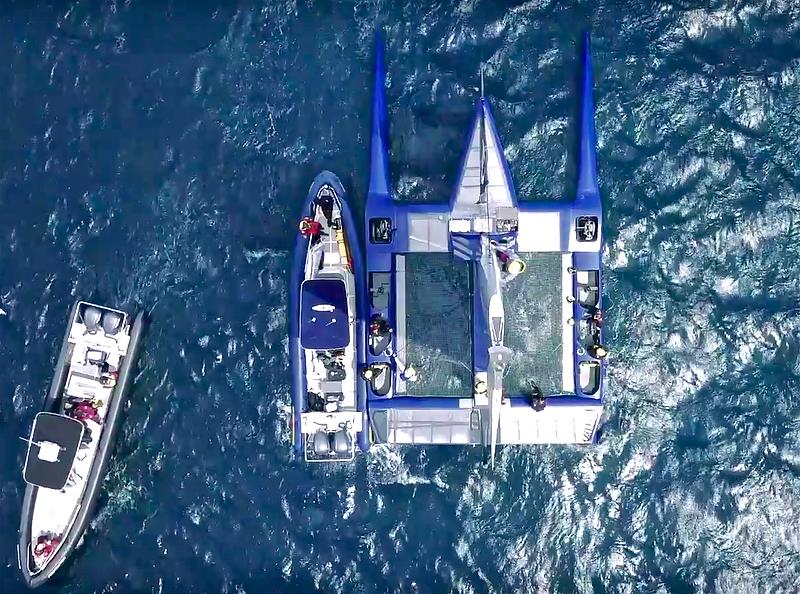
x,y
310,228
598,351
510,263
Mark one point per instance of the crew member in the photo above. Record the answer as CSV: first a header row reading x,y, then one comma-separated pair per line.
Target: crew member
x,y
85,411
409,374
378,326
510,263
598,351
45,545
109,378
310,228
370,372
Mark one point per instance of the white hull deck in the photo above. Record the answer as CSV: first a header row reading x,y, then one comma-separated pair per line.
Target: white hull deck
x,y
331,420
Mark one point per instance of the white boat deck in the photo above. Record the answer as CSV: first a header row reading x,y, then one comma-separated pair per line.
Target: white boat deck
x,y
54,510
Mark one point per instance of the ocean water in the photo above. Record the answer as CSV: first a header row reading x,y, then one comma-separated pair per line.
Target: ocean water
x,y
155,155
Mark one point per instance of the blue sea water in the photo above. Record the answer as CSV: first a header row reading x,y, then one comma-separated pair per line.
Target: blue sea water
x,y
155,155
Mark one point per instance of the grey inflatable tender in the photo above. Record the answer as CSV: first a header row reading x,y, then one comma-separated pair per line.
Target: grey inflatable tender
x,y
91,319
112,322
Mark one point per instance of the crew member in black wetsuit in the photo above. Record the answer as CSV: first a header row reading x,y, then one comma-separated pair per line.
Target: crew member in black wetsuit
x,y
325,201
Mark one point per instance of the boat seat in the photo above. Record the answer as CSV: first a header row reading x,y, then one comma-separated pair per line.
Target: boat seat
x,y
84,387
379,343
95,357
329,388
335,373
381,383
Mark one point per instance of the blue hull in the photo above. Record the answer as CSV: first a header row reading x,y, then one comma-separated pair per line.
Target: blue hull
x,y
299,391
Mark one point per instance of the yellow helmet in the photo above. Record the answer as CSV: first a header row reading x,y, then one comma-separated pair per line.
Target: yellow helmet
x,y
516,266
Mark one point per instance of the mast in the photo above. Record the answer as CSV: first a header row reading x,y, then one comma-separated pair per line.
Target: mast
x,y
483,197
499,355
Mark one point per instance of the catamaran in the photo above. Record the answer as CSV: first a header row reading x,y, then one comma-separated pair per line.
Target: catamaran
x,y
495,374
326,335
71,440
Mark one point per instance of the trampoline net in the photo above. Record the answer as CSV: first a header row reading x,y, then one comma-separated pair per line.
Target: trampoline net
x,y
533,325
439,325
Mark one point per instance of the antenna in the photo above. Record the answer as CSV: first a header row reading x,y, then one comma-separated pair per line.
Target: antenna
x,y
484,159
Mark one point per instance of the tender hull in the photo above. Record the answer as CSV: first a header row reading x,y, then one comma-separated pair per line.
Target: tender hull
x,y
297,275
98,469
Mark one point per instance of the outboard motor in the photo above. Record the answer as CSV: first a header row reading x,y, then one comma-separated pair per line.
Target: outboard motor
x,y
320,444
341,443
112,322
91,319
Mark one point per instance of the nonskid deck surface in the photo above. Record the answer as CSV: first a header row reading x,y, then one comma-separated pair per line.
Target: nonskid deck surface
x,y
438,325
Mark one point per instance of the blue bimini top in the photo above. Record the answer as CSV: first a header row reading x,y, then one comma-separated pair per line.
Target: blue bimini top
x,y
323,314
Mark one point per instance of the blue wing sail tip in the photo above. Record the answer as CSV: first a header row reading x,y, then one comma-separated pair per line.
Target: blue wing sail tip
x,y
379,147
588,185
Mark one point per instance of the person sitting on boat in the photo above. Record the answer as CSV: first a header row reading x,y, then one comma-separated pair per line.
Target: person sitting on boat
x,y
310,228
595,322
598,351
83,411
510,263
597,317
45,545
109,378
409,374
370,372
378,326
